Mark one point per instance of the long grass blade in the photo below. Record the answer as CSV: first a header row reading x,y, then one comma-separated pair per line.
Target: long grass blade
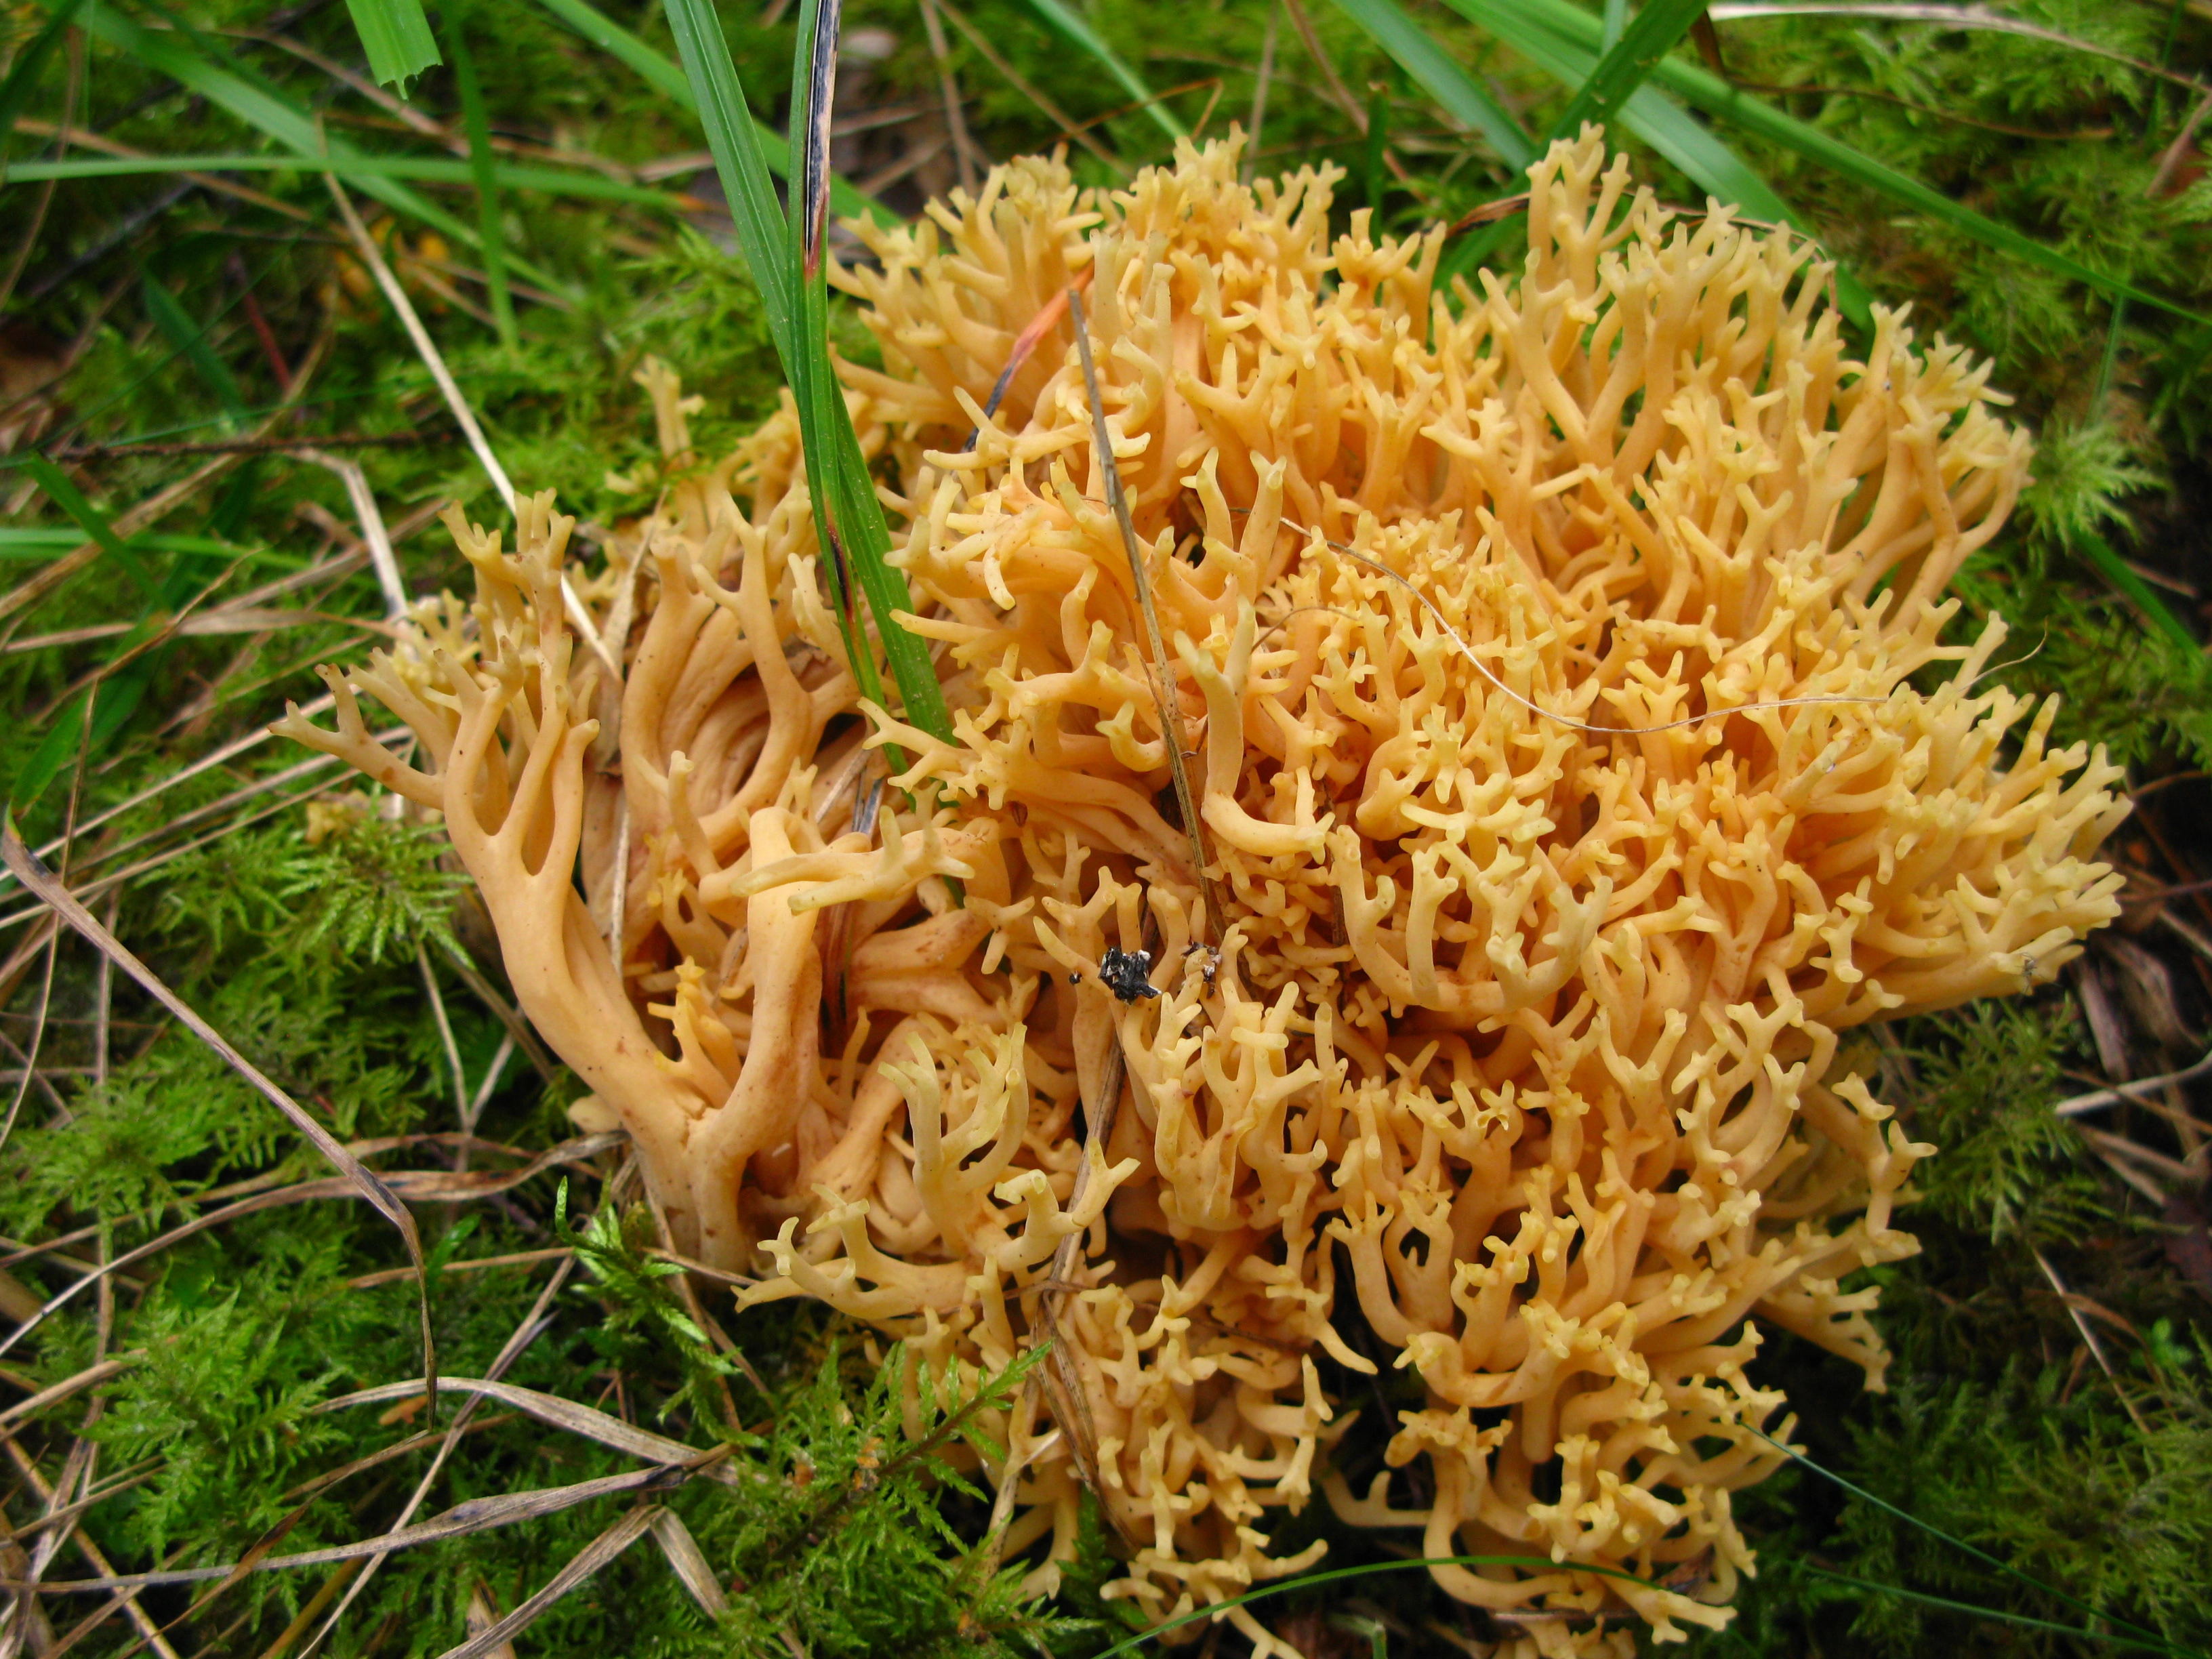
x,y
23,74
1084,36
734,139
485,165
66,495
366,170
190,340
617,42
1627,62
397,37
171,54
464,1520
2114,569
1936,1532
1519,21
841,486
1658,121
813,379
570,1416
2021,1621
1435,71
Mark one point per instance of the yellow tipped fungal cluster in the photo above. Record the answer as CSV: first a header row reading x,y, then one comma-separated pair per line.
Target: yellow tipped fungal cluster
x,y
1547,665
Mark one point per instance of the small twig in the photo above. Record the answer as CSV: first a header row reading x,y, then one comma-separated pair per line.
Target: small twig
x,y
468,1265
2169,162
964,152
1337,90
2089,1336
2074,1105
1067,123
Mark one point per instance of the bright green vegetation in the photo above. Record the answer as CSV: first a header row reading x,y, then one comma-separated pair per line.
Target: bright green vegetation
x,y
158,326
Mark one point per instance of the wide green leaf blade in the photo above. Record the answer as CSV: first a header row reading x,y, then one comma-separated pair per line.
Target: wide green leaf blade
x,y
1414,51
1084,36
397,37
1708,93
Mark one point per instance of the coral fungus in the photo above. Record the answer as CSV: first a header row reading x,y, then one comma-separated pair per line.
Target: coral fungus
x,y
1578,754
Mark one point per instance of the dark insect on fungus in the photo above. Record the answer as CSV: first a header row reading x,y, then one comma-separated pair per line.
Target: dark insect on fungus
x,y
1126,974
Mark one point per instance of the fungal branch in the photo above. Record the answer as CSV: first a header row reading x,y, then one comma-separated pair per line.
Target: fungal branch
x,y
1494,969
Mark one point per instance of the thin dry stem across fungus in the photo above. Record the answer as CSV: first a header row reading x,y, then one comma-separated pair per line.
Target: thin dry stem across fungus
x,y
1549,671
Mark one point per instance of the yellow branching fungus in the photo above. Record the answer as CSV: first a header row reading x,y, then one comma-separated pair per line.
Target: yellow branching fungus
x,y
1553,676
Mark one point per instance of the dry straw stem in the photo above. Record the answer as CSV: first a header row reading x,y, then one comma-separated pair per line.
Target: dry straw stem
x,y
477,1515
466,417
1563,825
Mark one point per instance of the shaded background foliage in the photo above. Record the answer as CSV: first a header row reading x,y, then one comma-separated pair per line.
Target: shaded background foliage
x,y
2051,1398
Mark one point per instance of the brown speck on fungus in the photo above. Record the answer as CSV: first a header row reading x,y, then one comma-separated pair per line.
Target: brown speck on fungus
x,y
1551,665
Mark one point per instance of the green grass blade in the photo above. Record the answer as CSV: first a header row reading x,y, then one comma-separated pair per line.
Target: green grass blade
x,y
1412,48
734,140
2114,569
67,496
1936,1532
485,167
765,236
2109,1639
429,169
190,340
617,42
23,76
1627,62
1659,122
397,37
813,378
168,54
1708,92
1084,36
